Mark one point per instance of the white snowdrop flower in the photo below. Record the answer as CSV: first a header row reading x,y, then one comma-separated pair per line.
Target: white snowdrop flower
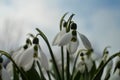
x,y
81,66
85,61
58,36
32,54
70,40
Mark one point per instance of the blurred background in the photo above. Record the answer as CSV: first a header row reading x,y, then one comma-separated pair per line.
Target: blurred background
x,y
99,20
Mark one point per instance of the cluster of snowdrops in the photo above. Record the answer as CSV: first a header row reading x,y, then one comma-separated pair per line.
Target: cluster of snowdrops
x,y
30,62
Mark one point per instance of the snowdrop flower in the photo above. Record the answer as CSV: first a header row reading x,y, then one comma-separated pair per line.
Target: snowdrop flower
x,y
3,72
16,56
59,35
81,65
85,62
70,39
31,54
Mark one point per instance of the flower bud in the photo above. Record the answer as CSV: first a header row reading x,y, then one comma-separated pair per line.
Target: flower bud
x,y
35,40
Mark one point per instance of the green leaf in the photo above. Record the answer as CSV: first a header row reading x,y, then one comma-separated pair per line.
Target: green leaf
x,y
62,19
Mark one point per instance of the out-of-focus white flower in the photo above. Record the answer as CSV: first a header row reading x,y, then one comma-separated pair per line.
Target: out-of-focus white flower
x,y
116,75
81,66
3,72
9,69
85,61
30,55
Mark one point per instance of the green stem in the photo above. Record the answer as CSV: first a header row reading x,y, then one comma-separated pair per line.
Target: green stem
x,y
68,66
62,57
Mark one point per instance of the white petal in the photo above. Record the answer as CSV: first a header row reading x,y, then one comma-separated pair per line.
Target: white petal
x,y
43,59
85,41
9,68
115,76
27,58
81,66
17,56
58,37
73,46
5,75
65,39
89,63
16,52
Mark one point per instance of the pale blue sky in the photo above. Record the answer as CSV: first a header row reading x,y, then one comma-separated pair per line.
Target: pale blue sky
x,y
99,20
